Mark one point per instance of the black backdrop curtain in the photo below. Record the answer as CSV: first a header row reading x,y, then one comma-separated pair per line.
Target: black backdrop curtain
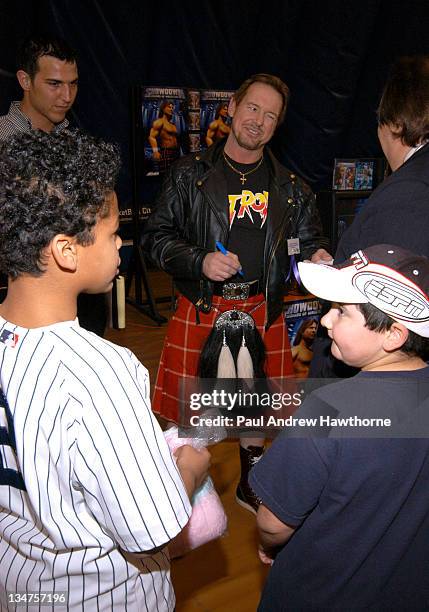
x,y
334,55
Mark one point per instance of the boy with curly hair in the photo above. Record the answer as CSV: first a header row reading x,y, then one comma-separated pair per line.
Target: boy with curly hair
x,y
89,494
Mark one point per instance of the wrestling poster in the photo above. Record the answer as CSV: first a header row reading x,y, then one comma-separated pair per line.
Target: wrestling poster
x,y
171,122
164,123
215,122
302,320
178,120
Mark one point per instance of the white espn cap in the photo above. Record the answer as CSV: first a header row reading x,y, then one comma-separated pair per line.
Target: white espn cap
x,y
394,280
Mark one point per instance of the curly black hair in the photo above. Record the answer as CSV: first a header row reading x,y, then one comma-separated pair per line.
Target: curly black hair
x,y
51,184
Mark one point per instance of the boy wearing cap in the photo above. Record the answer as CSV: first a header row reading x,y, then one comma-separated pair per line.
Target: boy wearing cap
x,y
354,511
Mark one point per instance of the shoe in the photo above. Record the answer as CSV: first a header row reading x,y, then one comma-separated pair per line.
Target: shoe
x,y
245,495
247,498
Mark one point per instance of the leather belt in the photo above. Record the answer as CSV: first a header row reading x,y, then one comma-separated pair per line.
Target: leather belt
x,y
237,291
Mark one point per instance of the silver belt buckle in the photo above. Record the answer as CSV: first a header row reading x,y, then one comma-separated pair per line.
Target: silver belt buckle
x,y
235,291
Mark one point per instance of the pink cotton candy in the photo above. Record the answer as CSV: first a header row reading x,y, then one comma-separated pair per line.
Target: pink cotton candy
x,y
208,520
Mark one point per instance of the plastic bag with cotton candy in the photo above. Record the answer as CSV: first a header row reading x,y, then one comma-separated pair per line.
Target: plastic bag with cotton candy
x,y
208,519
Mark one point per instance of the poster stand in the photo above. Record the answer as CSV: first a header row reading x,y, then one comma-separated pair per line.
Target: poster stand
x,y
137,270
167,122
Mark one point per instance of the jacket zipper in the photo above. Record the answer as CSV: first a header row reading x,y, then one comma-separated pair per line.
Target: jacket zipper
x,y
282,232
215,212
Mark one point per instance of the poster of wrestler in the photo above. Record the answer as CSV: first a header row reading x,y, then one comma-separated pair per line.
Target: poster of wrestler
x,y
302,320
164,127
215,122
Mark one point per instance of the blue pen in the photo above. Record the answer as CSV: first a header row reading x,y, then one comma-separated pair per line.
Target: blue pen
x,y
223,250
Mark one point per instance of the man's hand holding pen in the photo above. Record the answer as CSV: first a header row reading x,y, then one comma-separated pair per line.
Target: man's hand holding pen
x,y
221,265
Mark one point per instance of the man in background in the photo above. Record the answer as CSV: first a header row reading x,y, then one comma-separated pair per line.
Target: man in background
x,y
47,73
397,211
48,76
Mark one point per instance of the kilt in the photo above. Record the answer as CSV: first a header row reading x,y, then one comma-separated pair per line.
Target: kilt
x,y
185,338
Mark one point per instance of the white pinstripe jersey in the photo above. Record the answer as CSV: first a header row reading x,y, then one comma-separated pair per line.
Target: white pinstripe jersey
x,y
97,472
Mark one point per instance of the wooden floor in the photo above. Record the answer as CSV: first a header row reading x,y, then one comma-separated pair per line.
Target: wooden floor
x,y
224,575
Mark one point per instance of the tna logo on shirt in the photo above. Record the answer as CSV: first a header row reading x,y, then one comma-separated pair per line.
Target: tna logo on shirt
x,y
9,338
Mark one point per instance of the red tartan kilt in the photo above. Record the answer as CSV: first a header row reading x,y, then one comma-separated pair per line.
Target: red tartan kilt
x,y
185,338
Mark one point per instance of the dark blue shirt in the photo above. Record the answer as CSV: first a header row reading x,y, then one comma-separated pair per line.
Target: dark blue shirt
x,y
360,506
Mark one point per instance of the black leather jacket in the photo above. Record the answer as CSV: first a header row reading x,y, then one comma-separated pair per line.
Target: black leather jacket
x,y
190,215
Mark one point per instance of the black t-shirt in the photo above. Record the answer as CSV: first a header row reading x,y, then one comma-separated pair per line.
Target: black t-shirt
x,y
360,506
248,206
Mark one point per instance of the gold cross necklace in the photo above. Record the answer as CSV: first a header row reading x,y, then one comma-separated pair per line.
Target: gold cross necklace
x,y
243,174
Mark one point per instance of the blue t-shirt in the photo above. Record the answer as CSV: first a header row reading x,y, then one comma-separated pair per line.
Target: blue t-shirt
x,y
360,506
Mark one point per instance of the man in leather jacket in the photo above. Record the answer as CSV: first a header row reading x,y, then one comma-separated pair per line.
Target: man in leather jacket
x,y
236,194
